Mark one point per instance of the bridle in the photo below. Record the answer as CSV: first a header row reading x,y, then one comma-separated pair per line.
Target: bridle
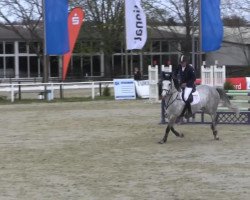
x,y
170,93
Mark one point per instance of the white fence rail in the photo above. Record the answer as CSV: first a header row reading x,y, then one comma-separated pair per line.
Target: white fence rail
x,y
18,88
213,75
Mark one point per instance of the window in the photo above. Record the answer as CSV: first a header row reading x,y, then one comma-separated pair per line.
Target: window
x,y
146,62
96,66
10,66
34,67
173,46
9,47
22,47
23,67
86,66
156,46
1,48
77,71
165,46
118,67
1,67
10,63
33,48
54,70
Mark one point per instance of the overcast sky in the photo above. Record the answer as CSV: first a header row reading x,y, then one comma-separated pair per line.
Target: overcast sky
x,y
236,8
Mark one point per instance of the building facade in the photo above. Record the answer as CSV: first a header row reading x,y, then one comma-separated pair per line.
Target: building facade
x,y
21,58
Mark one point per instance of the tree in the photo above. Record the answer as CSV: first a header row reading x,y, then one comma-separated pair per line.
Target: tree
x,y
25,19
26,13
234,7
107,18
234,21
175,13
186,13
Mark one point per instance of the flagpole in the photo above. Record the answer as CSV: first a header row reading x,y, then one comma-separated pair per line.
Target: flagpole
x,y
45,57
193,44
200,33
125,42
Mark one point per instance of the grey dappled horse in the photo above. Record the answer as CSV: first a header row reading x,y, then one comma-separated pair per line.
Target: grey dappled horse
x,y
210,98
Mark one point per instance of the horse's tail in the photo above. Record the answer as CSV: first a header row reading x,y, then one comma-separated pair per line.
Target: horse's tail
x,y
226,101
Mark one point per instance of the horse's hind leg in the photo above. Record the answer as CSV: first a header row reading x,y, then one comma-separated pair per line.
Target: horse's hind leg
x,y
213,126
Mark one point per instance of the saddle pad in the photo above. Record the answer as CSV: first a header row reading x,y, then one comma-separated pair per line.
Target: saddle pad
x,y
196,98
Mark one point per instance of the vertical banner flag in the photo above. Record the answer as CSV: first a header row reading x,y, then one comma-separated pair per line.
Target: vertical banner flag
x,y
211,25
75,21
56,27
136,27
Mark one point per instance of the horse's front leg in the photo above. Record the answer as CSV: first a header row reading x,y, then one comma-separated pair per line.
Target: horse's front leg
x,y
177,134
171,122
164,139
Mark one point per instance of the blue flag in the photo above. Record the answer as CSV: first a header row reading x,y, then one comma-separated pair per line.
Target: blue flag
x,y
211,25
56,27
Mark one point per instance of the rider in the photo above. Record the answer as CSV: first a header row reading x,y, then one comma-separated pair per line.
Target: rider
x,y
186,75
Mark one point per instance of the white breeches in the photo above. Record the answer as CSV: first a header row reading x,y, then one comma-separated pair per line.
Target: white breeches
x,y
187,92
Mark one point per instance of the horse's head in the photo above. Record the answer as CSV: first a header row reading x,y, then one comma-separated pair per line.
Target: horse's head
x,y
169,85
166,84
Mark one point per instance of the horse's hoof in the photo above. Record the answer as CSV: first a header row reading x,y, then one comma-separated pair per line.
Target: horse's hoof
x,y
181,135
161,142
216,138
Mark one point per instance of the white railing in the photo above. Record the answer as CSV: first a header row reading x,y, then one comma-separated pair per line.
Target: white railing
x,y
15,88
153,82
213,75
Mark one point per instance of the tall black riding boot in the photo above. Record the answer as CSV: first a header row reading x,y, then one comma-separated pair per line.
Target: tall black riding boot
x,y
189,111
184,110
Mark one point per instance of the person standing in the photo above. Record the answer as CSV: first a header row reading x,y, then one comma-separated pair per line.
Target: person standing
x,y
137,74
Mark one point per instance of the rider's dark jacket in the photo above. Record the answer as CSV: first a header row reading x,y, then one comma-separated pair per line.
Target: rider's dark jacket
x,y
187,76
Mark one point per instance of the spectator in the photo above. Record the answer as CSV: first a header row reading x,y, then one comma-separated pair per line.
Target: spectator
x,y
137,74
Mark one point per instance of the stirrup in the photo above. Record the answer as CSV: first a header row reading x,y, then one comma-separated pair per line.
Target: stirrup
x,y
188,115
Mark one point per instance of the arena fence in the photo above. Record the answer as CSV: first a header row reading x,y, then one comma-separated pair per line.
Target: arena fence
x,y
49,91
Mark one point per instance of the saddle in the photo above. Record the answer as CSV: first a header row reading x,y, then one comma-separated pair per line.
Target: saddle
x,y
193,98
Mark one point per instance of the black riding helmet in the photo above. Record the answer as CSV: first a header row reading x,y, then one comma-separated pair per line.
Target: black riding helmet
x,y
183,58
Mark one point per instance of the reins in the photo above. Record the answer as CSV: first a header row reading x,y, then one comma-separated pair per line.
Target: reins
x,y
168,103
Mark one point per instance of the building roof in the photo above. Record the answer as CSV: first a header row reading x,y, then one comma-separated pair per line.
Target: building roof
x,y
19,32
239,35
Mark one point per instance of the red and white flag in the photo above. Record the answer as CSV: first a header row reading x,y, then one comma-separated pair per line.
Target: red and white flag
x,y
75,21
